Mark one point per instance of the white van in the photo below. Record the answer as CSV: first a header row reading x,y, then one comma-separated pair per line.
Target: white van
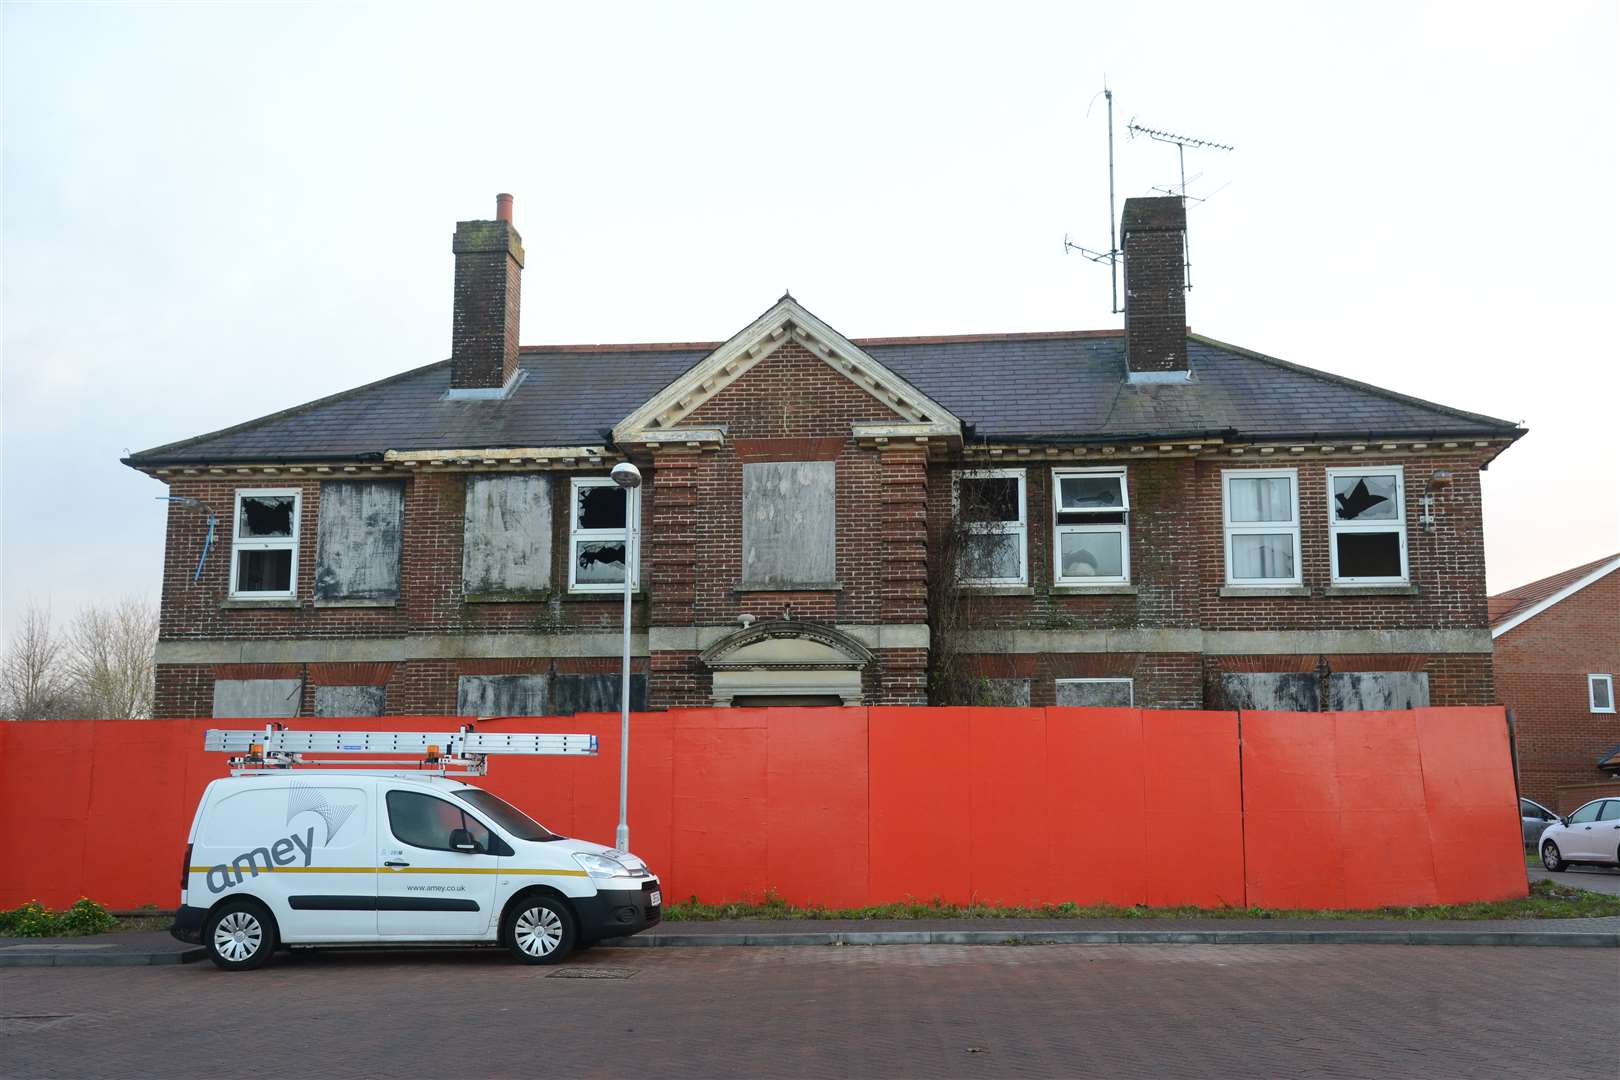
x,y
287,858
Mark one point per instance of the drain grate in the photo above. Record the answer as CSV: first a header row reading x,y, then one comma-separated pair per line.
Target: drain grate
x,y
592,973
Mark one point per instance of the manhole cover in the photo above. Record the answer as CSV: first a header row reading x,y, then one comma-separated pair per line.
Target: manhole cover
x,y
51,946
592,973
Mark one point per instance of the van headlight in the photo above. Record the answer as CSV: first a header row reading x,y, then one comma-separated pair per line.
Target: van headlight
x,y
600,866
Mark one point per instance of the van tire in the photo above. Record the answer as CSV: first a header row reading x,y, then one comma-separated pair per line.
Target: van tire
x,y
240,935
540,929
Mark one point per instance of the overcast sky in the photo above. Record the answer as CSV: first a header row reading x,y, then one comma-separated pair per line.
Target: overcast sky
x,y
216,212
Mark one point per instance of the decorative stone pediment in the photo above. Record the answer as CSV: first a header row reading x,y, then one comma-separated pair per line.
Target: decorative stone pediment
x,y
787,657
656,424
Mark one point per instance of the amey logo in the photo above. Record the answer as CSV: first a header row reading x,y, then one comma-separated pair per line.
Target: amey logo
x,y
301,799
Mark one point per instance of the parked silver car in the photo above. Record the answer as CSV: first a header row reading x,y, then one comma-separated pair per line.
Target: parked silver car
x,y
1535,819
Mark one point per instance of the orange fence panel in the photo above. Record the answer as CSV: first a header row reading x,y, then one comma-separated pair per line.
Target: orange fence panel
x,y
850,807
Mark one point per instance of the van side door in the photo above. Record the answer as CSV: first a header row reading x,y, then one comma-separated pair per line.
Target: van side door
x,y
427,885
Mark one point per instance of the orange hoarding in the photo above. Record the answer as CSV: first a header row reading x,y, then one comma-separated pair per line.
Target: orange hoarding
x,y
851,807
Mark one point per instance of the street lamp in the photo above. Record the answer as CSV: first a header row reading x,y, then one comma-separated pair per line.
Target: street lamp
x,y
628,477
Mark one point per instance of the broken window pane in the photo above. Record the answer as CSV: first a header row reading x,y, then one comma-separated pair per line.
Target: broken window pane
x,y
1262,555
599,562
1091,554
1369,497
1261,498
1369,554
1090,492
990,556
600,507
989,498
265,516
264,570
1095,693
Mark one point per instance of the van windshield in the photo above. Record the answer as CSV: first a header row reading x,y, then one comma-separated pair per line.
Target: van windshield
x,y
507,816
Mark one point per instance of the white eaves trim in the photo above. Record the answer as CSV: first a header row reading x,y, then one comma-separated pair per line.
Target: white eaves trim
x,y
786,321
1562,594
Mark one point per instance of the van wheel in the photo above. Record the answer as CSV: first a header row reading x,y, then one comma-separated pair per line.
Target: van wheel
x,y
540,929
240,935
1551,858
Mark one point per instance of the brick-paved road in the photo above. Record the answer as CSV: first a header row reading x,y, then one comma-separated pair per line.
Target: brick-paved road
x,y
1107,1011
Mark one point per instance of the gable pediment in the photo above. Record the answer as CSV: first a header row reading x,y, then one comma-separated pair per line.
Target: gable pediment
x,y
664,419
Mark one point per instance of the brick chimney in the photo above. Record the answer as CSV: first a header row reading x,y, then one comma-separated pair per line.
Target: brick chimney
x,y
489,272
1151,234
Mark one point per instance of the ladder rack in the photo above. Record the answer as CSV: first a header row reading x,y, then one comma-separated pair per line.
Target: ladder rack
x,y
432,752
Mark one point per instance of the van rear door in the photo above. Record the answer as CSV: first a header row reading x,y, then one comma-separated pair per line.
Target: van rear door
x,y
426,886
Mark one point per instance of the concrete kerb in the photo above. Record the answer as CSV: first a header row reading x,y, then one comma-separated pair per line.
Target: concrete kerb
x,y
19,955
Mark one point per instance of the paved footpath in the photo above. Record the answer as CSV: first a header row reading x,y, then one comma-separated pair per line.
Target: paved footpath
x,y
840,1011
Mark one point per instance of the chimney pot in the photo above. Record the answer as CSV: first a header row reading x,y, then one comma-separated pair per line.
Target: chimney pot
x,y
503,207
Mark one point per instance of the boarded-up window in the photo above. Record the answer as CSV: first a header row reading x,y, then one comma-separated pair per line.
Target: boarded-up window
x,y
1282,691
358,540
350,700
572,694
1095,693
1005,693
789,523
507,534
257,697
501,695
1359,691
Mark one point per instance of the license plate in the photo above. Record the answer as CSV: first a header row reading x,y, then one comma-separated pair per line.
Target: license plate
x,y
657,898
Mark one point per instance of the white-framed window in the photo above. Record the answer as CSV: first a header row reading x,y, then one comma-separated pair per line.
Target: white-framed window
x,y
990,507
1600,691
1091,539
264,543
1260,512
1115,693
597,535
1367,525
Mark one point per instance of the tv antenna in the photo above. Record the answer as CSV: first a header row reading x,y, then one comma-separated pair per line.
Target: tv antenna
x,y
1181,143
1111,256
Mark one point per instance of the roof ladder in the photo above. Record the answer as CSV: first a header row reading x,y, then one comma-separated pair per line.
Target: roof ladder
x,y
465,751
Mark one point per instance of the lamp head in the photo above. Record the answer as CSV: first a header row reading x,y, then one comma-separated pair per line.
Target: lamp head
x,y
626,475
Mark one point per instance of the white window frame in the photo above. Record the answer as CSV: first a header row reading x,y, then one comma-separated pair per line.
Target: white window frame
x,y
1592,682
1396,526
1122,530
1020,528
238,544
1230,529
1127,680
576,534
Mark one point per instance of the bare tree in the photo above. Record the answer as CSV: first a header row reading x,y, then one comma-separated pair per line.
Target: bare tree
x,y
111,659
35,683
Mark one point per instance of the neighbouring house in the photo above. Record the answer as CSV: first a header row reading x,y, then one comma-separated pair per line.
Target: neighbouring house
x,y
1142,517
1557,654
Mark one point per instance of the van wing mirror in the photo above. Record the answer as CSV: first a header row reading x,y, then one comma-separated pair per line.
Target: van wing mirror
x,y
461,840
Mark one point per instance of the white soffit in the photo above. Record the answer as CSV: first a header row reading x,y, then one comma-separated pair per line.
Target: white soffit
x,y
1562,594
786,321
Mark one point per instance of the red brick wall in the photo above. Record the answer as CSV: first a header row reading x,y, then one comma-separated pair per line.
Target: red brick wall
x,y
1541,670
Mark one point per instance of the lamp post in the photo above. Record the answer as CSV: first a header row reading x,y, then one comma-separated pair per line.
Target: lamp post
x,y
628,477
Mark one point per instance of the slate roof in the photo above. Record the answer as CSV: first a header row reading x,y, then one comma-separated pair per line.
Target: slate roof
x,y
1063,386
1507,605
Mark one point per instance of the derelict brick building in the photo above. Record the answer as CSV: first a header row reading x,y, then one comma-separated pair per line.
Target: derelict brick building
x,y
1145,517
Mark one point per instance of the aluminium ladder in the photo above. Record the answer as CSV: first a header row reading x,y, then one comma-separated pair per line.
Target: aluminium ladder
x,y
433,752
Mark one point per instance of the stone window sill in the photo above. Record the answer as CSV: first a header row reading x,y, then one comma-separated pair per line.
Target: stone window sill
x,y
356,603
1257,592
248,605
617,596
802,586
538,596
999,590
1093,590
1370,590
